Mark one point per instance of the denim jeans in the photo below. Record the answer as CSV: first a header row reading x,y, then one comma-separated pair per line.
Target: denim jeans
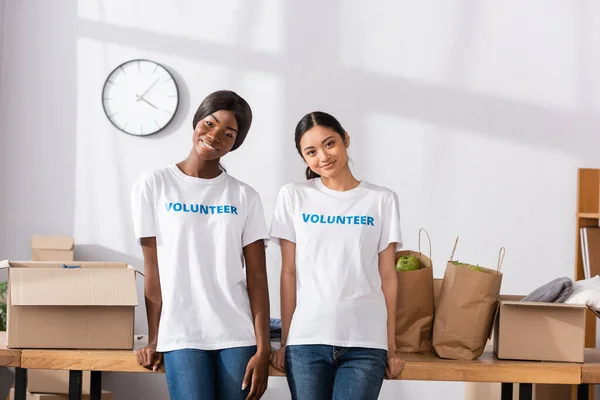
x,y
322,372
194,374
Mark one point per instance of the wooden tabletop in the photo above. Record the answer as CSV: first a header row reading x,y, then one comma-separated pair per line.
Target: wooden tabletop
x,y
487,368
427,367
590,370
83,360
90,360
86,360
8,357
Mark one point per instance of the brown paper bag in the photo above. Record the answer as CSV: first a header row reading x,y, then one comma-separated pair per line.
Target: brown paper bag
x,y
465,310
414,307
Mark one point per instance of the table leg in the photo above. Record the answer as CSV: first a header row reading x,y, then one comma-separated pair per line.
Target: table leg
x,y
75,378
20,383
507,391
96,385
583,391
525,391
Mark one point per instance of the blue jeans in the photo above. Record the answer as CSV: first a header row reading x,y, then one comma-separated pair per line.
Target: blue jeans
x,y
322,372
194,374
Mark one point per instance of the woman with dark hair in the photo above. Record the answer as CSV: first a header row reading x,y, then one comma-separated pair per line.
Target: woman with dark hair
x,y
338,237
202,235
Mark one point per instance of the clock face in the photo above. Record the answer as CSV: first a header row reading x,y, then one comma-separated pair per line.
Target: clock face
x,y
140,97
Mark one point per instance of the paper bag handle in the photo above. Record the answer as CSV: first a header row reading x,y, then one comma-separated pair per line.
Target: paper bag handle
x,y
454,249
501,254
428,238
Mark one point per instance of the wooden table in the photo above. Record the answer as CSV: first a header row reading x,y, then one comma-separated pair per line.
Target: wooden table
x,y
82,360
9,357
12,358
487,368
423,367
95,361
590,371
77,361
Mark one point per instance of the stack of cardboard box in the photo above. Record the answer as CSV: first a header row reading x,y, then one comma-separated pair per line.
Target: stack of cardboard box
x,y
54,302
535,332
540,332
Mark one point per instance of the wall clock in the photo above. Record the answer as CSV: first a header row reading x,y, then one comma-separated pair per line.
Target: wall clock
x,y
140,97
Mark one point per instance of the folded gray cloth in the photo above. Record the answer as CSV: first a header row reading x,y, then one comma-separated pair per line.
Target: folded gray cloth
x,y
556,291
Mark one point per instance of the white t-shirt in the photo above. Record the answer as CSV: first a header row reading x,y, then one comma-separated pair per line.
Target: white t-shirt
x,y
201,227
338,236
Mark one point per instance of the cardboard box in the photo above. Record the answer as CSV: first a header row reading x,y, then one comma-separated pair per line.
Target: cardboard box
x,y
87,307
539,331
551,392
54,381
52,248
492,391
106,395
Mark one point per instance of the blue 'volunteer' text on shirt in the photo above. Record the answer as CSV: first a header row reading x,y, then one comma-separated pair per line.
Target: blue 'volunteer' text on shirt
x,y
201,209
338,219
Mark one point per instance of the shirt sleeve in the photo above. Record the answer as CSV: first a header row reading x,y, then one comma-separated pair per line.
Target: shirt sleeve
x,y
390,229
256,226
282,225
142,207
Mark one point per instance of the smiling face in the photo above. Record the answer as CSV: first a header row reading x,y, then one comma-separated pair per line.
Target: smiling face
x,y
324,151
215,134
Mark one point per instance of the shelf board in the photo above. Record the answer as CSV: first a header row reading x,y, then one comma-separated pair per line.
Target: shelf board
x,y
588,215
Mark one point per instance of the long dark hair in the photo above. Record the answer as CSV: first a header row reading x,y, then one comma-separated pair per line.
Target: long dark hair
x,y
229,101
316,118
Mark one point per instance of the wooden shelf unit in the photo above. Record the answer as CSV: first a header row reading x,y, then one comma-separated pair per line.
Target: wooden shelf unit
x,y
588,214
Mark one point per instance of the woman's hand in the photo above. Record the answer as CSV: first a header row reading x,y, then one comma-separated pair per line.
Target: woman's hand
x,y
394,366
278,359
147,357
257,374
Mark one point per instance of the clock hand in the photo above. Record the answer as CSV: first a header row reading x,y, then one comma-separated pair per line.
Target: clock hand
x,y
141,97
146,101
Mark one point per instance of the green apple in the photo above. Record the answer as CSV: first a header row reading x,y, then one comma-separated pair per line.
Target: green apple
x,y
468,266
475,268
407,263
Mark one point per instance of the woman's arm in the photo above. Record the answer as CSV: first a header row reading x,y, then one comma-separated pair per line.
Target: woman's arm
x,y
257,370
258,292
389,285
288,298
147,356
288,287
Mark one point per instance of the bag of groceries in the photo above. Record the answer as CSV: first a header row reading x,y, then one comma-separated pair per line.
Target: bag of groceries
x,y
414,308
466,308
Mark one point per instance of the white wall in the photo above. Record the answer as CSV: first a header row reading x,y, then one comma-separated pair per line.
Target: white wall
x,y
2,55
477,113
